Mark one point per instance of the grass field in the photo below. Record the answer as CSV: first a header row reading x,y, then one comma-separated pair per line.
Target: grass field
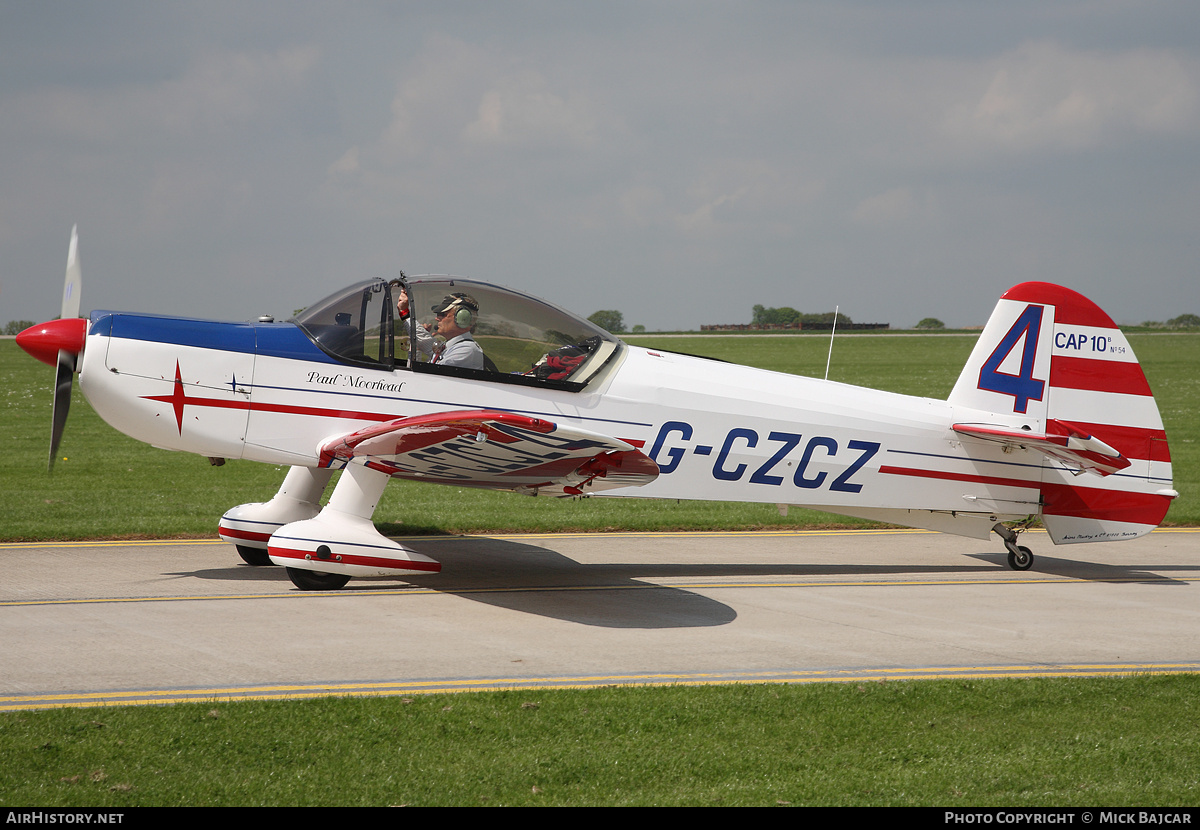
x,y
1103,742
107,485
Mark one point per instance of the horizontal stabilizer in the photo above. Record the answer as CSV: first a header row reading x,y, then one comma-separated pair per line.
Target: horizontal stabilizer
x,y
1062,441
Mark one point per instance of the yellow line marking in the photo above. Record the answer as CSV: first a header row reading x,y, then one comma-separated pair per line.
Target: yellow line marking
x,y
1006,579
110,543
153,697
649,534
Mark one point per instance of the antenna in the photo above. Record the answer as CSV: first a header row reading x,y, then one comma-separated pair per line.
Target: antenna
x,y
831,333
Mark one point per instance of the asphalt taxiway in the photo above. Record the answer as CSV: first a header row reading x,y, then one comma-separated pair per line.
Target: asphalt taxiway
x,y
101,623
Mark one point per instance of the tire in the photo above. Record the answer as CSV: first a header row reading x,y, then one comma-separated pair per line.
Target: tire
x,y
1021,559
316,580
254,556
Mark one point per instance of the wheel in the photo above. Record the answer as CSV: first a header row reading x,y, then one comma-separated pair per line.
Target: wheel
x,y
253,556
316,580
1020,559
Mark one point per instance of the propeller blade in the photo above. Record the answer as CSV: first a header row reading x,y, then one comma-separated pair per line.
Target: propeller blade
x,y
64,379
64,382
72,287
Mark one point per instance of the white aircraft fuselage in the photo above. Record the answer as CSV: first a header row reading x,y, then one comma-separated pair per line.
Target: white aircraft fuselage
x,y
1051,419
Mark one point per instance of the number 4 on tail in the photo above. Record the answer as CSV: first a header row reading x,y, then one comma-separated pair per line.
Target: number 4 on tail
x,y
1024,387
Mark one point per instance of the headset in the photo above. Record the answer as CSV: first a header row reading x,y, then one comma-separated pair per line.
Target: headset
x,y
464,317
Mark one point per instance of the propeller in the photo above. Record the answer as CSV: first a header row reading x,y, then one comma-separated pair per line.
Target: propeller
x,y
59,344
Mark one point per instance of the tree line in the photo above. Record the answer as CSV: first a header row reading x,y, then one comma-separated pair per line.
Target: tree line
x,y
18,326
787,316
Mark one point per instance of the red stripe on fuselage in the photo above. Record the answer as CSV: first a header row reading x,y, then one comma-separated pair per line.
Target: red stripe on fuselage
x,y
971,477
321,412
180,400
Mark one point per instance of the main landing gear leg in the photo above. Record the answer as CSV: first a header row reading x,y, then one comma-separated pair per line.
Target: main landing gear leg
x,y
249,526
1020,558
340,542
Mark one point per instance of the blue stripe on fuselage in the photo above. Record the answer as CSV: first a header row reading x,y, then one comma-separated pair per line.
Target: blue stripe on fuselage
x,y
268,339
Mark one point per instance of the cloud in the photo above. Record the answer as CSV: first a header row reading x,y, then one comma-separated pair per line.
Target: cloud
x,y
218,94
432,100
726,196
456,95
891,207
347,165
640,148
1043,95
706,217
642,205
521,110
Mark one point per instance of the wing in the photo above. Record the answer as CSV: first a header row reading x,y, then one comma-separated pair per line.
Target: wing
x,y
1062,441
494,450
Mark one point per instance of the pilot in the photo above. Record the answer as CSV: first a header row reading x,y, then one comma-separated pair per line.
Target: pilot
x,y
456,315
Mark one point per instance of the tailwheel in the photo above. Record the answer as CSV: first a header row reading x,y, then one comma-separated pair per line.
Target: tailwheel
x,y
316,580
254,556
1020,559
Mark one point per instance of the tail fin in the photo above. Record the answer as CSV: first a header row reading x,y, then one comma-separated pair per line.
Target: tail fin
x,y
1052,365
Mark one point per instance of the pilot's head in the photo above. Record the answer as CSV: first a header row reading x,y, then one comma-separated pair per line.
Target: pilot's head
x,y
458,311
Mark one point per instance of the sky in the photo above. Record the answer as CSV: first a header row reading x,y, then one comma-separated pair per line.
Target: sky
x,y
679,162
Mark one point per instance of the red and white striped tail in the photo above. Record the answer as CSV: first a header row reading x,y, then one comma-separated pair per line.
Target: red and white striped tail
x,y
1047,355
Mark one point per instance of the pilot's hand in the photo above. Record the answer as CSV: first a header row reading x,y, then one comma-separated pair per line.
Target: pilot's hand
x,y
402,302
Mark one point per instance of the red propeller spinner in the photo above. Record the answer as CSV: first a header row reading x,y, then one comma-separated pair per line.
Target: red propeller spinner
x,y
45,340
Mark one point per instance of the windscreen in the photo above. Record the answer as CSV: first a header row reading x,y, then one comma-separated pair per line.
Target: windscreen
x,y
354,324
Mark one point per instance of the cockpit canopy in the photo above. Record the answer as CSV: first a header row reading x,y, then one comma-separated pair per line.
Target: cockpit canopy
x,y
524,340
